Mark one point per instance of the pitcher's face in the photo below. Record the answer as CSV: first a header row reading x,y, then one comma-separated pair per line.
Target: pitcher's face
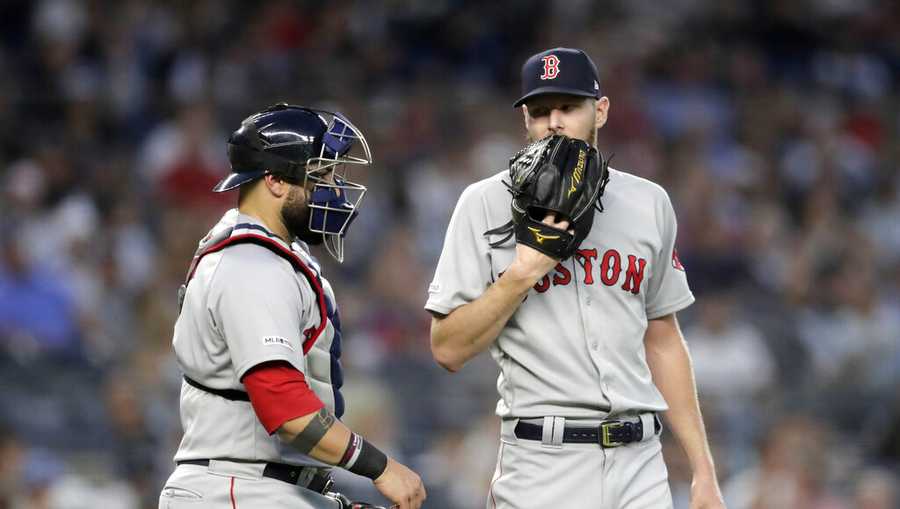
x,y
568,115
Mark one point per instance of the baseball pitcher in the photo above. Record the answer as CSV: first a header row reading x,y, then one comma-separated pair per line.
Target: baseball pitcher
x,y
566,271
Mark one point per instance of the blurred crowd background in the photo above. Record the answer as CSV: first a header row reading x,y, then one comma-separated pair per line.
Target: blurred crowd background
x,y
773,125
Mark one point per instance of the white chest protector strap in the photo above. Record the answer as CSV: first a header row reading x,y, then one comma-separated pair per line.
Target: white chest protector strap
x,y
226,238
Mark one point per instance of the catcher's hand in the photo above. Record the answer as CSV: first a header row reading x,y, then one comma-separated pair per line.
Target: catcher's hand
x,y
401,486
346,503
555,175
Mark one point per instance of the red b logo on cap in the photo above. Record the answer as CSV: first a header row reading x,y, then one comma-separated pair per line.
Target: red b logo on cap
x,y
551,67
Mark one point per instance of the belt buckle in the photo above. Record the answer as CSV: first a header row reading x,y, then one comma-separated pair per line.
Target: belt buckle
x,y
328,485
605,427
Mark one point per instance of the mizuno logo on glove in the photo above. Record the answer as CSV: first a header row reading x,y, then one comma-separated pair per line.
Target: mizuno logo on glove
x,y
540,237
577,173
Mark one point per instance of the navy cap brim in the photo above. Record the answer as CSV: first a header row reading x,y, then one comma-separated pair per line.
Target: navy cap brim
x,y
553,90
235,180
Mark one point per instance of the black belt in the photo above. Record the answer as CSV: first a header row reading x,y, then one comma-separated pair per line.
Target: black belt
x,y
611,433
229,394
320,482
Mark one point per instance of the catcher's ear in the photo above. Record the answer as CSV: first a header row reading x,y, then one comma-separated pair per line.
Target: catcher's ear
x,y
602,111
277,186
525,114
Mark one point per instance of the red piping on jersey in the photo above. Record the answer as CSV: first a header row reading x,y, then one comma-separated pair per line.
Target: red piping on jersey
x,y
233,501
312,333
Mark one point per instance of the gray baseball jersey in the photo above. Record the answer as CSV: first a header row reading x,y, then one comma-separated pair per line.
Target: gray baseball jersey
x,y
574,348
246,305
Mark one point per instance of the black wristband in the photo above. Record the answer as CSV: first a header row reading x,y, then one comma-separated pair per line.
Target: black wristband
x,y
370,463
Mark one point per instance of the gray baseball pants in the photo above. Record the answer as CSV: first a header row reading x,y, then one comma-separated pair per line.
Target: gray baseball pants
x,y
236,486
531,474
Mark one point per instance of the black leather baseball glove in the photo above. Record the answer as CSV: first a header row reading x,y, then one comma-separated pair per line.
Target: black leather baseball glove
x,y
554,174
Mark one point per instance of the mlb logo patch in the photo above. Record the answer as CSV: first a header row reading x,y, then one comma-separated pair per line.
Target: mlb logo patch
x,y
277,341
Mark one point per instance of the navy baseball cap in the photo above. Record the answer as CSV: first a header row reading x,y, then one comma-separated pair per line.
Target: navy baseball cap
x,y
559,71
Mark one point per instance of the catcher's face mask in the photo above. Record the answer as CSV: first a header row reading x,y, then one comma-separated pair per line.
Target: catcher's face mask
x,y
335,199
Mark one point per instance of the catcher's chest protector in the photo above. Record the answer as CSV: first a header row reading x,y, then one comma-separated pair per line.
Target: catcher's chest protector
x,y
324,360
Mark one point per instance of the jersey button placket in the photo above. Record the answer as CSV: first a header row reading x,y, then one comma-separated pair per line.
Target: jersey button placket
x,y
587,316
594,343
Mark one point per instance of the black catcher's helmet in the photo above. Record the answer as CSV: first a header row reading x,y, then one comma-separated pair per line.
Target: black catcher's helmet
x,y
303,145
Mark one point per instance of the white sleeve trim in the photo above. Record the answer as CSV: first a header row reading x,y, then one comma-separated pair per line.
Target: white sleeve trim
x,y
678,305
438,308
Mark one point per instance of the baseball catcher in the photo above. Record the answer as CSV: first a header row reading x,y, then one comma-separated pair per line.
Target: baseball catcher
x,y
258,335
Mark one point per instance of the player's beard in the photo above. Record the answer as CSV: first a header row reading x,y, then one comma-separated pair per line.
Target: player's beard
x,y
592,136
295,214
